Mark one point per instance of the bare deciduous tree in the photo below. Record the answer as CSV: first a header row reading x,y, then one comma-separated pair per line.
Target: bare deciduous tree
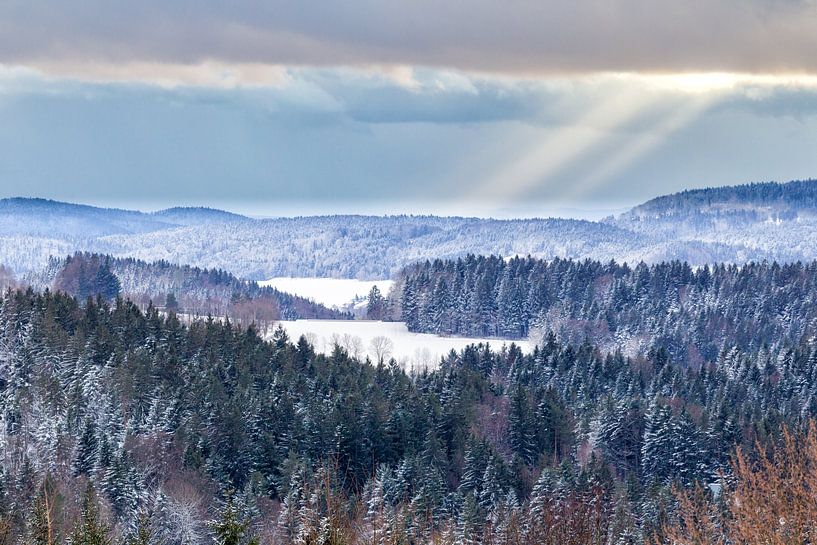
x,y
773,499
381,348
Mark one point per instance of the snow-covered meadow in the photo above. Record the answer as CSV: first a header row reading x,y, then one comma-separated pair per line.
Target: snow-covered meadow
x,y
366,338
384,340
340,293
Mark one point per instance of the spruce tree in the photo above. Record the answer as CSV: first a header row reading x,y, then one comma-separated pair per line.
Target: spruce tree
x,y
90,530
521,433
657,448
230,529
86,451
376,305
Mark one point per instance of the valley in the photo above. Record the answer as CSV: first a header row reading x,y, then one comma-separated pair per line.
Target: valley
x,y
383,341
460,377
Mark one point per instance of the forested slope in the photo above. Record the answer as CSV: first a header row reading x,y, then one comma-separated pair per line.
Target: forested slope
x,y
566,445
755,222
183,289
693,313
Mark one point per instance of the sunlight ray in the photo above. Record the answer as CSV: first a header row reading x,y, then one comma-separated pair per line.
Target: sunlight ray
x,y
645,142
560,148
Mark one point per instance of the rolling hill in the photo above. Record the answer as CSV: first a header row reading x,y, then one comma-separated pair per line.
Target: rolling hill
x,y
754,222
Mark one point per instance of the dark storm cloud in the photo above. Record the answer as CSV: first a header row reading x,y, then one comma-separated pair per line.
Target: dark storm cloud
x,y
517,36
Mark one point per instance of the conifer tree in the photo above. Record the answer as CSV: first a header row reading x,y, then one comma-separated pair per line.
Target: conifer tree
x,y
143,534
521,432
90,529
42,521
86,451
376,304
657,448
230,529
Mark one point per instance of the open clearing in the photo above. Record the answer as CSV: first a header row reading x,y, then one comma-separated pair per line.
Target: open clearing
x,y
340,293
365,338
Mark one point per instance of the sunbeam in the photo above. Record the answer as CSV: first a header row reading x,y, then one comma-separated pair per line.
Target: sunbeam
x,y
561,147
647,140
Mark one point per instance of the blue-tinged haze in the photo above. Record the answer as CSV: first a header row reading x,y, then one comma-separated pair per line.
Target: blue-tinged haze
x,y
745,223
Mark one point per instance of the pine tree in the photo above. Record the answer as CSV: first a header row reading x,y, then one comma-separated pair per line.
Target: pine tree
x,y
376,305
86,451
90,530
230,529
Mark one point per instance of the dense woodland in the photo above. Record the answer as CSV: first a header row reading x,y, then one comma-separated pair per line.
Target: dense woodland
x,y
692,313
124,426
186,290
731,204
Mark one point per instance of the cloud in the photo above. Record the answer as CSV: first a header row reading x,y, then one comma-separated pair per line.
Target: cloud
x,y
361,96
400,134
170,75
531,37
780,101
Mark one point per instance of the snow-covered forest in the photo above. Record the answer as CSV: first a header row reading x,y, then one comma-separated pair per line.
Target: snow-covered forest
x,y
693,313
152,402
131,426
185,290
734,225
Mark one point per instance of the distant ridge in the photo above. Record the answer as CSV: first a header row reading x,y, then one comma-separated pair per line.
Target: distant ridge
x,y
40,204
794,195
29,203
46,217
194,214
752,222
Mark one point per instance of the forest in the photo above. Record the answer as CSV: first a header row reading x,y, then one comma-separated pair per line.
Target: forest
x,y
692,313
737,224
186,290
127,426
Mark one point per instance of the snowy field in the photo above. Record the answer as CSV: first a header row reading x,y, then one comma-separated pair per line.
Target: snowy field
x,y
330,292
387,339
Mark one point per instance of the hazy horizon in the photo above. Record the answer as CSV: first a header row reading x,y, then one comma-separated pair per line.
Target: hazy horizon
x,y
292,209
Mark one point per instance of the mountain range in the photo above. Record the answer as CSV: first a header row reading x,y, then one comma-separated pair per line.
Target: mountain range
x,y
753,222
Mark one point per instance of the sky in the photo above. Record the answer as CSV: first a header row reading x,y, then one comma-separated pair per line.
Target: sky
x,y
515,108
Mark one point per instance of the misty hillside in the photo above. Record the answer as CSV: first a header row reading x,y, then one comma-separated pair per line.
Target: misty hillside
x,y
779,220
754,222
195,215
773,198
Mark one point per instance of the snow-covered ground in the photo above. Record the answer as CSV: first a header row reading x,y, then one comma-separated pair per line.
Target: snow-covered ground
x,y
331,292
387,339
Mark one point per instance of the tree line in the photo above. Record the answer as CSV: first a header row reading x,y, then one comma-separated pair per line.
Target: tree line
x,y
181,288
693,313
